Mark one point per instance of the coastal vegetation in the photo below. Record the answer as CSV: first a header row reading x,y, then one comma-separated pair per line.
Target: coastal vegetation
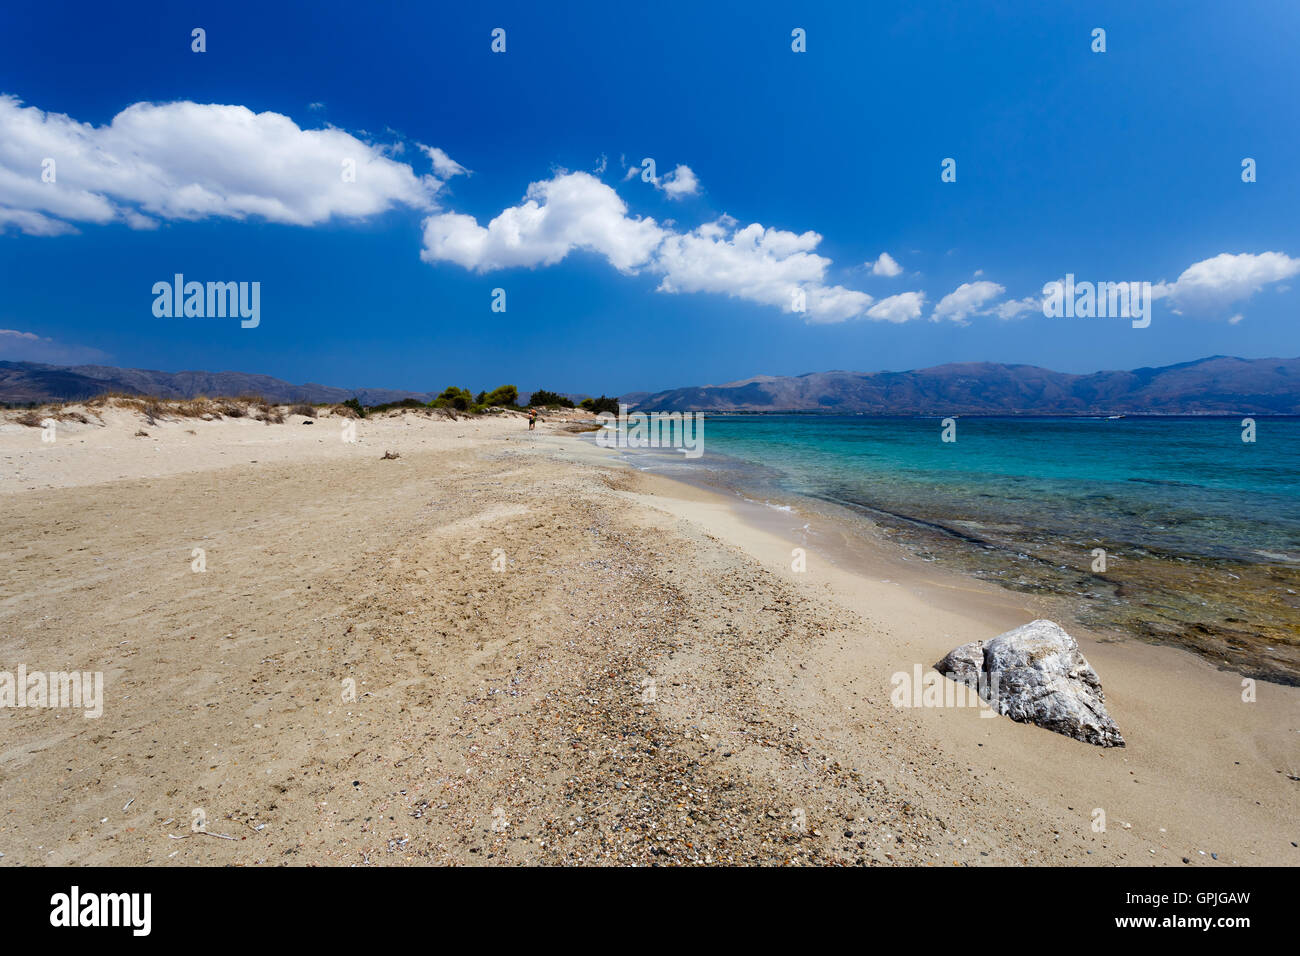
x,y
452,399
602,404
543,398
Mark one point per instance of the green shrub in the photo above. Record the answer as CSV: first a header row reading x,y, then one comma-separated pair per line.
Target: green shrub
x,y
505,395
602,404
404,403
549,399
452,397
354,403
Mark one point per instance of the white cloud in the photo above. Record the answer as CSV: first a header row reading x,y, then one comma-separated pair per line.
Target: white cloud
x,y
33,223
679,183
764,265
967,299
899,308
444,165
675,184
1211,285
190,161
571,211
1014,308
187,161
576,211
755,263
1205,289
886,266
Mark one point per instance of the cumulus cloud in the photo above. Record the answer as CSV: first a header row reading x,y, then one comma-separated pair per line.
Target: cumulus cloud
x,y
191,161
1014,308
679,183
969,298
765,265
187,161
571,211
575,211
1211,285
899,308
886,266
676,184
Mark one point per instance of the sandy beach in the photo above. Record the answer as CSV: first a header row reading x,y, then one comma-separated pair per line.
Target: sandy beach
x,y
504,647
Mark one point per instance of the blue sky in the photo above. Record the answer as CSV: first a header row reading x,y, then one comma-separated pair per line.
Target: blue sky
x,y
800,170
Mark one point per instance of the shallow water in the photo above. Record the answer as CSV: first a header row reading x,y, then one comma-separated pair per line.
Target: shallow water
x,y
1201,531
1177,485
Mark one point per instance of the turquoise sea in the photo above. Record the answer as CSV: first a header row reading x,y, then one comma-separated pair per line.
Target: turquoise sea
x,y
1201,529
1186,485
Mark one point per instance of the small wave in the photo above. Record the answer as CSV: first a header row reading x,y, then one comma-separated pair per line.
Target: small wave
x,y
788,509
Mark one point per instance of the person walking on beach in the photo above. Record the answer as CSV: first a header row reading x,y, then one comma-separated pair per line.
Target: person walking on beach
x,y
532,418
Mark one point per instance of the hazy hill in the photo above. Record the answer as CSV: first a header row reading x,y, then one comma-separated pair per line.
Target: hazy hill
x,y
1217,384
33,382
23,382
1212,385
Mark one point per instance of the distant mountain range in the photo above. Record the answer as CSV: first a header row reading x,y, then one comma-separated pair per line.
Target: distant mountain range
x,y
25,382
1219,384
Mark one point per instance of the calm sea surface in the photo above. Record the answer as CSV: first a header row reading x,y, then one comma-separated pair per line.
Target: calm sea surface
x,y
1187,486
1201,530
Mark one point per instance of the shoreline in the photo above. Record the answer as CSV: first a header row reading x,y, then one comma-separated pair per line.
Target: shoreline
x,y
644,680
1176,708
1154,590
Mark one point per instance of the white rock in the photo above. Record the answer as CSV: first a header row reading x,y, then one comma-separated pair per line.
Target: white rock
x,y
1037,674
